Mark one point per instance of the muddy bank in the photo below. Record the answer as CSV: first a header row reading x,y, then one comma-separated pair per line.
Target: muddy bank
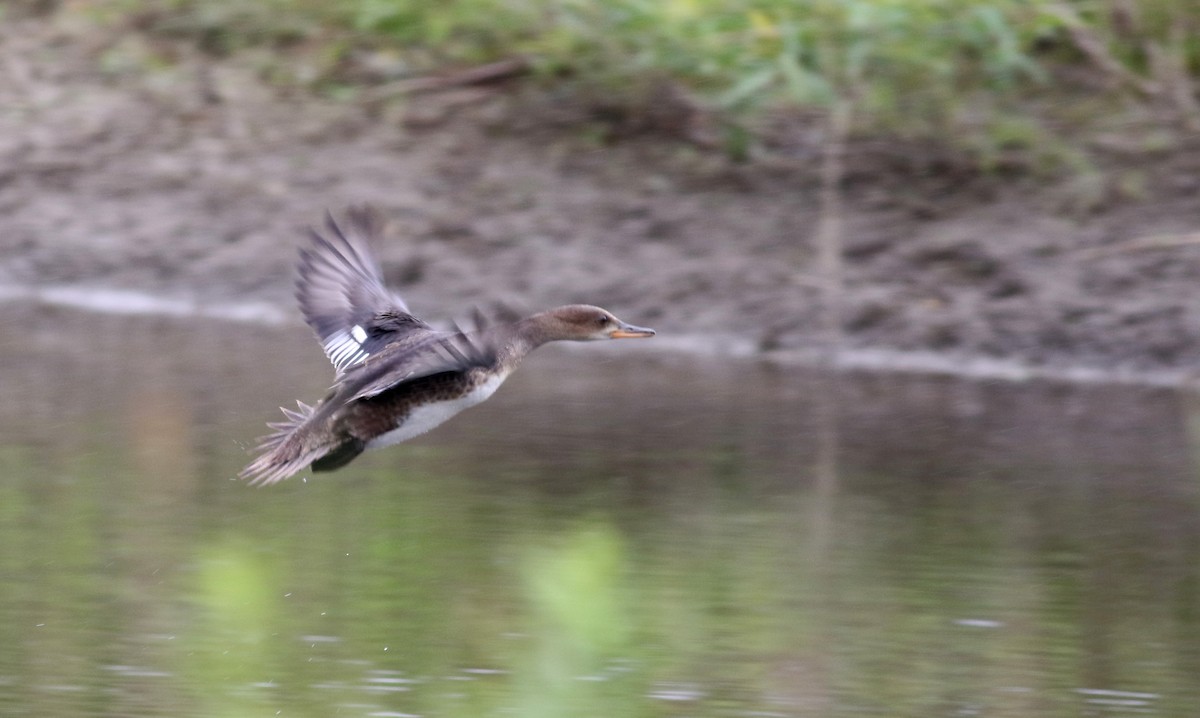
x,y
195,179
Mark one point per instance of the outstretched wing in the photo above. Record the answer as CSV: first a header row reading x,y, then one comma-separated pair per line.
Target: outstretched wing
x,y
427,353
340,290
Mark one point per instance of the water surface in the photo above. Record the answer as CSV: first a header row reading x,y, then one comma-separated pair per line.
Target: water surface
x,y
615,533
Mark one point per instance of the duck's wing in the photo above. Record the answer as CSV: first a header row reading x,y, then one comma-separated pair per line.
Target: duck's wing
x,y
424,354
340,290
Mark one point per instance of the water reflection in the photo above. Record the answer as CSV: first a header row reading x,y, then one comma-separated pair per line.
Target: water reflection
x,y
669,548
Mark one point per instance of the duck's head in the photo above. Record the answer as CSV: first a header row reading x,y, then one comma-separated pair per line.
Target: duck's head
x,y
583,323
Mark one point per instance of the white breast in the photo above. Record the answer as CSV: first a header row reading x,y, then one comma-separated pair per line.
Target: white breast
x,y
427,416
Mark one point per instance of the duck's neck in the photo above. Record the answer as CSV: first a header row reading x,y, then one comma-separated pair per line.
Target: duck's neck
x,y
514,341
527,334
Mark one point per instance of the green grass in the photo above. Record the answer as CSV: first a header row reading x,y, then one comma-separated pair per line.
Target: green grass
x,y
929,68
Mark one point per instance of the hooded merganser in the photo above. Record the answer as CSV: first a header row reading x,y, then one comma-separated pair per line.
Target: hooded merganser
x,y
396,376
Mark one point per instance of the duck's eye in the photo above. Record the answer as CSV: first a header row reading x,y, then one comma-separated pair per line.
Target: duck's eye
x,y
601,320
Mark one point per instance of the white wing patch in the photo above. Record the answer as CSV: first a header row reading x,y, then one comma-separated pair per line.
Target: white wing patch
x,y
344,349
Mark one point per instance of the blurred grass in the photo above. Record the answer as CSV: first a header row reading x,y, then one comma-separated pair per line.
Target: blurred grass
x,y
914,68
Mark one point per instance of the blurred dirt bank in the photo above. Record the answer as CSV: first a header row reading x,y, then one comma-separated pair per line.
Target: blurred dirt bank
x,y
198,179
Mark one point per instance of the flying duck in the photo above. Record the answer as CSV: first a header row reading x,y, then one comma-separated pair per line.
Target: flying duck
x,y
396,376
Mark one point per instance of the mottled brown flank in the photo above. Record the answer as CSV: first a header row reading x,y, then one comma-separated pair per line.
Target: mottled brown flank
x,y
366,419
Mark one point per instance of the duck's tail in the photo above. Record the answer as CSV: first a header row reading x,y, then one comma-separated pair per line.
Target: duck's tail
x,y
292,447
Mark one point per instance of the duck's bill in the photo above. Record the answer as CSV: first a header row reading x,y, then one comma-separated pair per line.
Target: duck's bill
x,y
628,331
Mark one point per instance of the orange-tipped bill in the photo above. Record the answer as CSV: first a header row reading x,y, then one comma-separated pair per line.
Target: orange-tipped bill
x,y
628,331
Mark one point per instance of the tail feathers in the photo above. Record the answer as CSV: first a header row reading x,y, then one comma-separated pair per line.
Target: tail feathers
x,y
284,452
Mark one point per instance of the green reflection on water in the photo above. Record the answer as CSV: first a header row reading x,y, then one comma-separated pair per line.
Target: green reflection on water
x,y
516,568
430,594
580,626
235,606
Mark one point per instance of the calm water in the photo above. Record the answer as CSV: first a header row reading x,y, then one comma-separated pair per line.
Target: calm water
x,y
613,534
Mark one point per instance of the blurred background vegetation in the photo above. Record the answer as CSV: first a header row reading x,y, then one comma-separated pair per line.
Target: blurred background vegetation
x,y
991,76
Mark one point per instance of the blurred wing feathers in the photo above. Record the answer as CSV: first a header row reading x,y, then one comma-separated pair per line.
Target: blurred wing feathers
x,y
341,293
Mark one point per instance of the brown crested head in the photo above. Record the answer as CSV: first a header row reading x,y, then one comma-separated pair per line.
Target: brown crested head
x,y
582,322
